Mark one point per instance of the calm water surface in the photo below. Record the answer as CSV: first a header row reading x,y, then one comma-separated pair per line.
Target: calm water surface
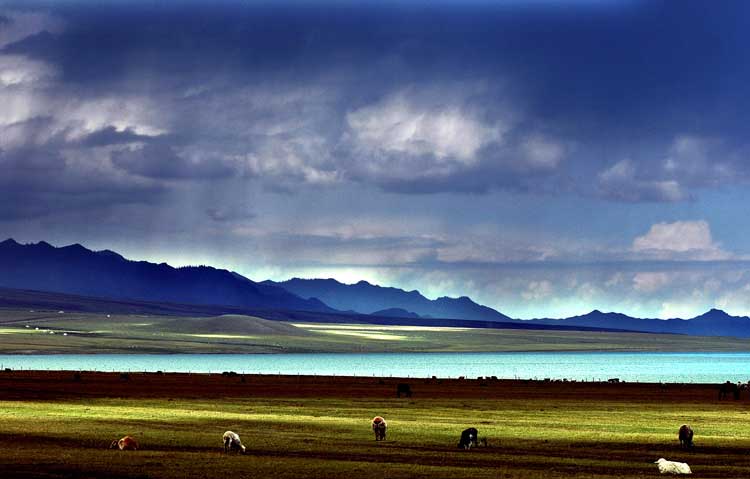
x,y
644,367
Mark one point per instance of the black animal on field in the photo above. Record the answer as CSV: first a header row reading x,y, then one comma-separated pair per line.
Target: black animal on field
x,y
729,388
469,438
403,388
686,436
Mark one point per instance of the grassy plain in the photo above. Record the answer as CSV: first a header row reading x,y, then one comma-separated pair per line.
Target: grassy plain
x,y
25,331
52,426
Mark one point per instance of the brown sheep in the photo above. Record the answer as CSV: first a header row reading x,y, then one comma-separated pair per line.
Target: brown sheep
x,y
127,443
379,426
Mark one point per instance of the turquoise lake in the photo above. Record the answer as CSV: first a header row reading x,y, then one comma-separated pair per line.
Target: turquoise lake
x,y
643,367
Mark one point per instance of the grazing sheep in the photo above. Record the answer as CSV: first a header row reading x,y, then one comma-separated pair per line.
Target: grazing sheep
x,y
686,436
232,442
379,426
672,467
127,443
469,438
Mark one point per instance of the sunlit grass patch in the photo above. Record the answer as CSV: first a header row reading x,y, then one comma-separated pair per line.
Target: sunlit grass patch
x,y
222,336
373,327
21,331
366,334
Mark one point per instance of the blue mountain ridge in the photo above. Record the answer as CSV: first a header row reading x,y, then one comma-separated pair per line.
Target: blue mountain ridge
x,y
714,322
77,270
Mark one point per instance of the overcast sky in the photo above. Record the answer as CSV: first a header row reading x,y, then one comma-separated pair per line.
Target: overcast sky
x,y
545,157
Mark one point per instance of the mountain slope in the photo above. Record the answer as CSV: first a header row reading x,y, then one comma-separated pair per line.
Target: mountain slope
x,y
233,324
367,298
76,270
396,313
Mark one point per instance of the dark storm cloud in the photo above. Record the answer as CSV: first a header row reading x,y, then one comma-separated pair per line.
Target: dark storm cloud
x,y
111,136
162,162
39,181
56,202
461,99
541,133
344,250
30,165
676,171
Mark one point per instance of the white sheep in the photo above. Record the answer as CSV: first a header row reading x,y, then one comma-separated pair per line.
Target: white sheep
x,y
672,467
232,442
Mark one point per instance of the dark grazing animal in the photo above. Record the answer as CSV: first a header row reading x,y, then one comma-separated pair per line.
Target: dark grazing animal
x,y
686,436
127,443
379,427
729,388
403,388
469,438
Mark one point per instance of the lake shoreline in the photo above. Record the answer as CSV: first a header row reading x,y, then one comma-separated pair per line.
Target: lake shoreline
x,y
643,367
134,352
49,385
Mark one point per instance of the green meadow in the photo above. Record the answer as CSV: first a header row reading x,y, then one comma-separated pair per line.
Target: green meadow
x,y
314,437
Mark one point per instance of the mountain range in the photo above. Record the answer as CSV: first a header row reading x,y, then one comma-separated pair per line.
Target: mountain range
x,y
367,298
711,323
77,270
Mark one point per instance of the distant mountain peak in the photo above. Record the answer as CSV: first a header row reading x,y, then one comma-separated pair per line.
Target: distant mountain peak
x,y
9,242
714,313
110,254
76,247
